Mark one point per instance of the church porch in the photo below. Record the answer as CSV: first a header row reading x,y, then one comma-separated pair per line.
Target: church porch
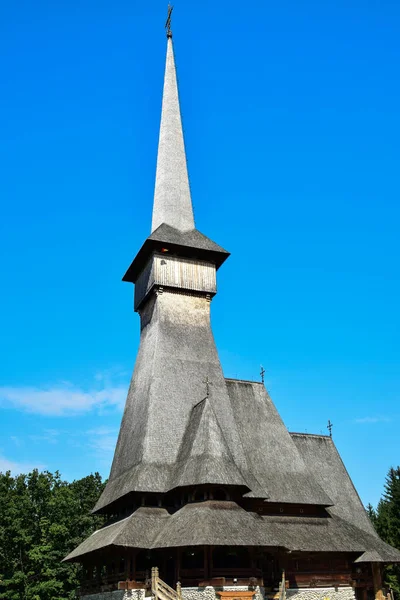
x,y
244,568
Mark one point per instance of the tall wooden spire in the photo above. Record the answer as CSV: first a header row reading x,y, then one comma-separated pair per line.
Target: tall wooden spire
x,y
172,200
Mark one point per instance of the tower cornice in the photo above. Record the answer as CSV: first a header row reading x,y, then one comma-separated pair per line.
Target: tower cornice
x,y
189,244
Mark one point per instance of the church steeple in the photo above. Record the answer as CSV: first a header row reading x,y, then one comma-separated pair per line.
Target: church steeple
x,y
173,228
172,200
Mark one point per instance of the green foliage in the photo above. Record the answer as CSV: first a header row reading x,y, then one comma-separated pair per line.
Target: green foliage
x,y
386,520
42,519
372,514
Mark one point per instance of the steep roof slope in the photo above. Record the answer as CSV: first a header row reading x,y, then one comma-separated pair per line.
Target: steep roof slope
x,y
271,454
204,456
172,201
322,458
177,352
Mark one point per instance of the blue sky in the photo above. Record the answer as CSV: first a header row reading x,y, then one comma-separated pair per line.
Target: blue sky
x,y
292,125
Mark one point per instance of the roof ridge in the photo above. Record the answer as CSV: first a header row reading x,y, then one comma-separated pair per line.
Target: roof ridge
x,y
243,380
319,435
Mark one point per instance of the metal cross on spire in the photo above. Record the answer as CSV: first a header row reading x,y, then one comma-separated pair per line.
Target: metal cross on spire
x,y
329,427
207,383
168,21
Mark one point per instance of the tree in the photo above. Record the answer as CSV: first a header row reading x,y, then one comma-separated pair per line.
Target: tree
x,y
372,514
42,518
386,520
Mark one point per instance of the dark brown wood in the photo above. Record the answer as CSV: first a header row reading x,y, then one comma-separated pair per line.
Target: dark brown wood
x,y
302,580
377,576
273,508
130,585
364,594
133,559
178,564
215,582
302,570
206,562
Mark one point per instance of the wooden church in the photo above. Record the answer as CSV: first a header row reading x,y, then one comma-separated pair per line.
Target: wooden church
x,y
209,495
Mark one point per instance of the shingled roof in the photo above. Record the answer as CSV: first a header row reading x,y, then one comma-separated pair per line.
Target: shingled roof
x,y
224,523
271,466
188,244
172,199
272,456
136,531
323,460
345,526
204,456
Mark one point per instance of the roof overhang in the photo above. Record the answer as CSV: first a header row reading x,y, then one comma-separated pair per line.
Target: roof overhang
x,y
187,244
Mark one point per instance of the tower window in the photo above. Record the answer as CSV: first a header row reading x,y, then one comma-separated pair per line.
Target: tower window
x,y
220,494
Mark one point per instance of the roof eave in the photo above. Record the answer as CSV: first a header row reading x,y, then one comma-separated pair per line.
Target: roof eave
x,y
151,246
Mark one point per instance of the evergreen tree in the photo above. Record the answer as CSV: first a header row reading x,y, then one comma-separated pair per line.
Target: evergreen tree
x,y
372,514
386,520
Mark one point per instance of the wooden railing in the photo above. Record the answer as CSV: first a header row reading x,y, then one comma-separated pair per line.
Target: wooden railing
x,y
282,587
161,590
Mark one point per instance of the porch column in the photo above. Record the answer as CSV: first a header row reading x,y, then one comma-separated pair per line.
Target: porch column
x,y
133,564
206,563
377,575
178,564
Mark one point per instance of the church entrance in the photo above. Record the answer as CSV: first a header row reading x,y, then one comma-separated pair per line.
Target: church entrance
x,y
270,569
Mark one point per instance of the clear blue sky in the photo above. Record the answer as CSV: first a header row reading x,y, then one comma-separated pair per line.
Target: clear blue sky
x,y
291,115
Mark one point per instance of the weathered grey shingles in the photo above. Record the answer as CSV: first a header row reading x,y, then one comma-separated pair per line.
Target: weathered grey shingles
x,y
272,456
272,467
139,530
211,523
323,460
172,201
282,461
192,238
204,455
177,352
225,523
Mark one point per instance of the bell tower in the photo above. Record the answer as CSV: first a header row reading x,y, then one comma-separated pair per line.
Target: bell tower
x,y
174,274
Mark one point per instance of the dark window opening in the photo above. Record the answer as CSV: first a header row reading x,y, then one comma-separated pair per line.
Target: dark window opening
x,y
220,494
151,500
231,557
198,496
144,561
193,558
